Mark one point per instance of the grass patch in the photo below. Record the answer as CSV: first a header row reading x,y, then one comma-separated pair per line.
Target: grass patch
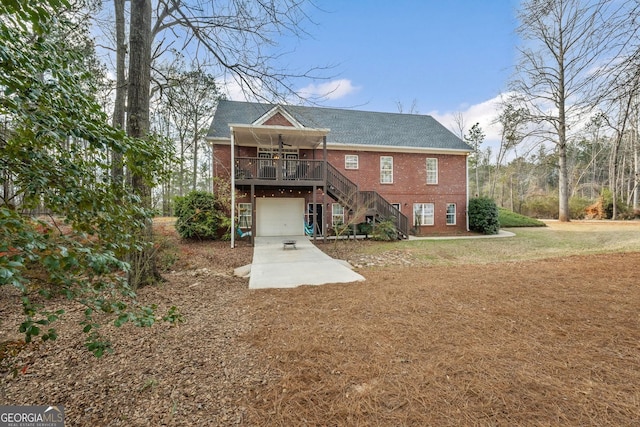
x,y
509,218
554,240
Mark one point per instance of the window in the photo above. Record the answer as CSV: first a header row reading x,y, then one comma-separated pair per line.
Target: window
x,y
386,170
451,214
396,205
337,214
432,171
423,213
244,215
351,161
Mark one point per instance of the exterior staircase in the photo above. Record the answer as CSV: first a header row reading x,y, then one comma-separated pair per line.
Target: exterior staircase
x,y
368,203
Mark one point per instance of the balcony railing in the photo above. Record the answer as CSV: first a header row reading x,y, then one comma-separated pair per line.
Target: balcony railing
x,y
304,172
248,168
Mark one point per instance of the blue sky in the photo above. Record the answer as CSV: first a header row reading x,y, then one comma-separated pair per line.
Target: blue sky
x,y
446,55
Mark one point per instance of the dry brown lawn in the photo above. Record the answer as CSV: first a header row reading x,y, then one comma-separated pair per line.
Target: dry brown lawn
x,y
533,343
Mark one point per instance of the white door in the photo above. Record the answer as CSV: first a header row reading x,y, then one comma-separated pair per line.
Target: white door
x,y
279,216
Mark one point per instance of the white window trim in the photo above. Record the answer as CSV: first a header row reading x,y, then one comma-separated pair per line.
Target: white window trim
x,y
435,160
432,216
382,158
455,214
247,215
334,215
347,163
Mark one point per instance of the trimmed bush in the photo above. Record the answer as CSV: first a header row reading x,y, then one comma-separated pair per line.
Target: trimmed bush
x,y
365,228
385,231
197,215
483,216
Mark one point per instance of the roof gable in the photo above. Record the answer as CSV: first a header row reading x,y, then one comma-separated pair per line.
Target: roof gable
x,y
277,116
347,127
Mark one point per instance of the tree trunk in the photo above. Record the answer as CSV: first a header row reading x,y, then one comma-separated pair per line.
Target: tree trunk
x,y
195,151
563,179
181,176
143,263
117,169
477,180
636,180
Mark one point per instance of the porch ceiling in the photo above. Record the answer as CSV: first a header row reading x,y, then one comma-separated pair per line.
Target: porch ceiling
x,y
260,135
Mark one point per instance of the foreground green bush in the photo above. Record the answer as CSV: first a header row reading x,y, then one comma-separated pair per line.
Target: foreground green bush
x,y
198,216
385,231
483,216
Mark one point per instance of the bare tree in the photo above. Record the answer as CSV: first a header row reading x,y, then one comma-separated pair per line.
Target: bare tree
x,y
475,137
413,108
236,38
628,93
622,96
459,126
512,121
191,97
564,44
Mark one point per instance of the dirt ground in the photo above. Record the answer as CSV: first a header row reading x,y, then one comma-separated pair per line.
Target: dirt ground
x,y
544,343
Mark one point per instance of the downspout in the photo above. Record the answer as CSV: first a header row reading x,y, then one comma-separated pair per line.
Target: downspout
x,y
467,188
324,192
233,191
213,166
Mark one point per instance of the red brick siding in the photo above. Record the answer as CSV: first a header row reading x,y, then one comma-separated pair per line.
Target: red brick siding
x,y
409,182
277,120
222,161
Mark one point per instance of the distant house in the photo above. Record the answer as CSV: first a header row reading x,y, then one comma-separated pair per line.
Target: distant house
x,y
300,169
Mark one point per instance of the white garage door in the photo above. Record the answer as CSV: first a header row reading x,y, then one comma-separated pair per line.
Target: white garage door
x,y
279,216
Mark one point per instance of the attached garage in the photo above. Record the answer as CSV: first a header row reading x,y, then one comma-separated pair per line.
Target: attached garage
x,y
279,216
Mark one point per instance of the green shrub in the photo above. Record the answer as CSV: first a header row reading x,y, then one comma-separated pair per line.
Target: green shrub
x,y
385,231
197,216
607,202
540,207
577,206
365,228
483,216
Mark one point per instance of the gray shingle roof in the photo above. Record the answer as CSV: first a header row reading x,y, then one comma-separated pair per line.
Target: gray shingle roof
x,y
350,127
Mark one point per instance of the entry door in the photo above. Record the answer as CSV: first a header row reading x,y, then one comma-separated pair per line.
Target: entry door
x,y
291,160
318,209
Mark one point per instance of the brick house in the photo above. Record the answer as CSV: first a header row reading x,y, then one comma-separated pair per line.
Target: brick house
x,y
304,169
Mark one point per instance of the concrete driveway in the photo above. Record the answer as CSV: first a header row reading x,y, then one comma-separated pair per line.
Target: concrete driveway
x,y
274,266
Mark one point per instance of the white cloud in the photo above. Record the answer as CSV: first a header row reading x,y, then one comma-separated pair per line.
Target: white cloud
x,y
239,91
332,90
484,113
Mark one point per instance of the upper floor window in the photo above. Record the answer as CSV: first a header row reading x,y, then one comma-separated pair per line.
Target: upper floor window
x,y
386,170
432,171
351,161
423,213
451,214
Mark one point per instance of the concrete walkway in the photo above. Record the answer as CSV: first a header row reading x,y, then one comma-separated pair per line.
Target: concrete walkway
x,y
274,266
